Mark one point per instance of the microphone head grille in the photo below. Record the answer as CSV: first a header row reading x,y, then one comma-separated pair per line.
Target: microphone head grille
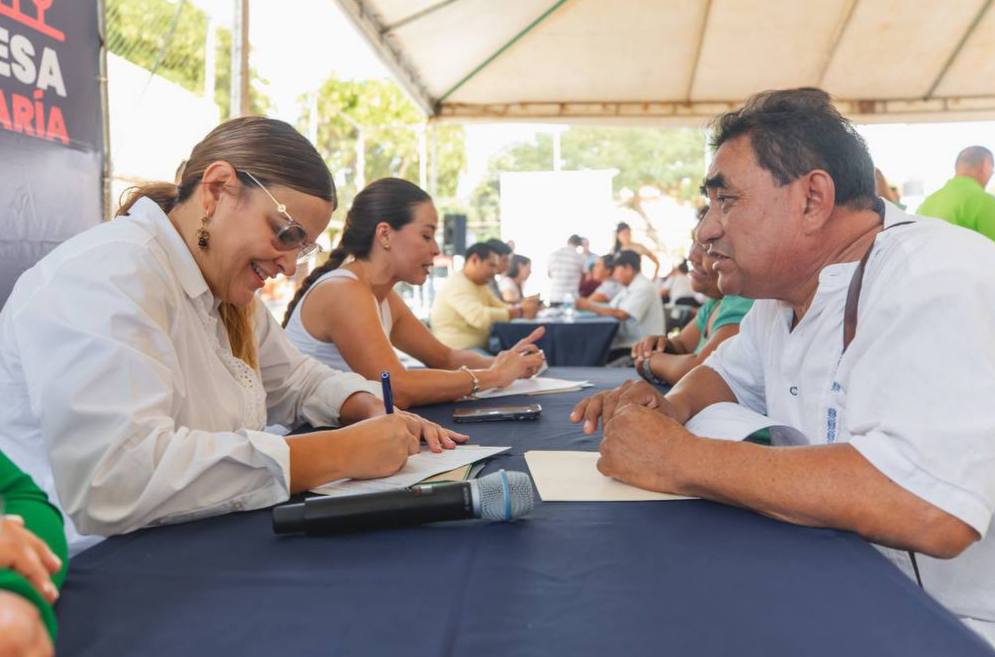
x,y
505,495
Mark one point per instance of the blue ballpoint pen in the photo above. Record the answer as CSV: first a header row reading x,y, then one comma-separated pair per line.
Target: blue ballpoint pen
x,y
388,393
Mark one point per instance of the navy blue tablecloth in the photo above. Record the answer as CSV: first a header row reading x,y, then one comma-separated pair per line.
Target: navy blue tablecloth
x,y
579,343
687,578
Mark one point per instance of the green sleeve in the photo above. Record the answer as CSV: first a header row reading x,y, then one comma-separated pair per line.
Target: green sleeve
x,y
22,497
701,318
732,311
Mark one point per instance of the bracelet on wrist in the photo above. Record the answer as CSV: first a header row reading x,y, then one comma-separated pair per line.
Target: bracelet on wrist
x,y
474,380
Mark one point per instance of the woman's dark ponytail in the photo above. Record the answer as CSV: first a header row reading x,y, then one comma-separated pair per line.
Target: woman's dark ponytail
x,y
165,194
335,260
386,200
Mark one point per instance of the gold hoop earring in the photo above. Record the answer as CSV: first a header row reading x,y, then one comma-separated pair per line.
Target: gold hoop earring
x,y
203,236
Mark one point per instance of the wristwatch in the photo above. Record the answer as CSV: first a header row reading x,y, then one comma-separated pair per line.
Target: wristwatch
x,y
473,377
644,370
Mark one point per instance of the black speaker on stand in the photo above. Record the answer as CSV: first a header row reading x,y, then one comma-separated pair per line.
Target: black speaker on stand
x,y
454,234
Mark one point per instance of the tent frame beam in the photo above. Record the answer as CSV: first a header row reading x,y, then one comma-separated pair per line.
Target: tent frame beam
x,y
418,15
370,26
701,112
848,11
960,46
693,74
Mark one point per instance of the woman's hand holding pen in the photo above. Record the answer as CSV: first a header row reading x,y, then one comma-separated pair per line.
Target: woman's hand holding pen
x,y
435,436
369,449
377,447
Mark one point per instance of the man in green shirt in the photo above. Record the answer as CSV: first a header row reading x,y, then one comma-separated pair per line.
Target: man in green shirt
x,y
963,200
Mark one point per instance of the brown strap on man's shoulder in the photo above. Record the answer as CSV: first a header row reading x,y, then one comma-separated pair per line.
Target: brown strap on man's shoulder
x,y
853,294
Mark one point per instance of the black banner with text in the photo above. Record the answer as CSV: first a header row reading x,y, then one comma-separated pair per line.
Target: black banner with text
x,y
51,141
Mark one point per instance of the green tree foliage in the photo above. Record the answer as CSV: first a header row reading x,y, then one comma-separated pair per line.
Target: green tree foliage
x,y
138,29
670,159
389,123
169,38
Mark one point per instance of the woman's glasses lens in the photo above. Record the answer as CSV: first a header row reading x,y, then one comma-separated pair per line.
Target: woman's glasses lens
x,y
291,236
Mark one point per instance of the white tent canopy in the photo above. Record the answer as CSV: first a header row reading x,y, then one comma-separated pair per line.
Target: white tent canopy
x,y
684,61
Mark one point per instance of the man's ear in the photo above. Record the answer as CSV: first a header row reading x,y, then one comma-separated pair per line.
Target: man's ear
x,y
819,200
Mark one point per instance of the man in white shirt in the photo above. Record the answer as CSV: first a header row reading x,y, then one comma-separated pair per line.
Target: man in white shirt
x,y
637,307
608,287
566,268
899,428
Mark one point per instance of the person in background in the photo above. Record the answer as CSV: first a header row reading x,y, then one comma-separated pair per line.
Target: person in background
x,y
33,561
464,309
637,307
884,190
140,372
963,201
504,253
897,437
566,268
623,242
677,286
666,360
513,284
588,284
347,315
606,287
585,250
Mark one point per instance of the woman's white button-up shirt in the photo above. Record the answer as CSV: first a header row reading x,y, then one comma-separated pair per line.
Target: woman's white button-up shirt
x,y
122,398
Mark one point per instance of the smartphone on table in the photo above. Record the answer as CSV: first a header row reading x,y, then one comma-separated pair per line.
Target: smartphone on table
x,y
498,413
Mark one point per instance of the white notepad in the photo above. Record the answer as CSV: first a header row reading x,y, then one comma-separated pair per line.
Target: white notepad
x,y
419,467
540,385
563,476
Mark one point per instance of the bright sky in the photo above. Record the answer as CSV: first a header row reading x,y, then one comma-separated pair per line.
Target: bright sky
x,y
297,45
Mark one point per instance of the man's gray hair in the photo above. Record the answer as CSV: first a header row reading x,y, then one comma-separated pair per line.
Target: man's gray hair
x,y
974,157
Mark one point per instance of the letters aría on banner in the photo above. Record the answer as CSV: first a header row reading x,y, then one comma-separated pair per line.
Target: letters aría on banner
x,y
29,69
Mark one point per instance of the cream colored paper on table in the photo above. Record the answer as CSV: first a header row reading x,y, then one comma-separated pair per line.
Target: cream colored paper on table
x,y
419,467
536,386
568,476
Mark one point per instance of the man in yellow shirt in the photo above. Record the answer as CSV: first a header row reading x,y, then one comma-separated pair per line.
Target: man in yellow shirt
x,y
465,309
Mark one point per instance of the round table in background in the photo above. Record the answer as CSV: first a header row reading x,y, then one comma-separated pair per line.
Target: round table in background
x,y
580,342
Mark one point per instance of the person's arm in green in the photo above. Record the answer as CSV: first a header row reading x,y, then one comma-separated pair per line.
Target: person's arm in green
x,y
23,498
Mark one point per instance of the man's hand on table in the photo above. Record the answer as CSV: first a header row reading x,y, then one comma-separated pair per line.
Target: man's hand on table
x,y
642,447
605,405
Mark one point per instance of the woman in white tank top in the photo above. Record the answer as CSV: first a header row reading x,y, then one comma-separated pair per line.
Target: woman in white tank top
x,y
348,315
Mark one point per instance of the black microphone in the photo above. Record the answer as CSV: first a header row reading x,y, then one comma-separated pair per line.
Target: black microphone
x,y
498,496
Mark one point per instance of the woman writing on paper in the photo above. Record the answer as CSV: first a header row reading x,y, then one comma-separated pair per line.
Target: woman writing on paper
x,y
665,360
139,369
347,314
